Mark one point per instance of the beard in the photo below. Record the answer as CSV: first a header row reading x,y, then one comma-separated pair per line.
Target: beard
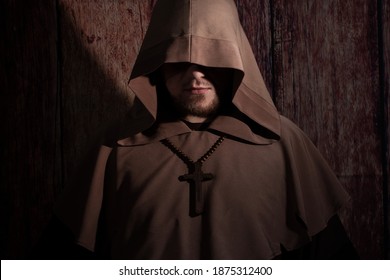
x,y
194,106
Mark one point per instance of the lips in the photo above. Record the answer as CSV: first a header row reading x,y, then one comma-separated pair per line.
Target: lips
x,y
197,90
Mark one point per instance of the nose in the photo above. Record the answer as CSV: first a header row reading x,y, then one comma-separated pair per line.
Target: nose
x,y
196,71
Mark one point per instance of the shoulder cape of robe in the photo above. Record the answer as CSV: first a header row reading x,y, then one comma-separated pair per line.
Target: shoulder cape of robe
x,y
267,195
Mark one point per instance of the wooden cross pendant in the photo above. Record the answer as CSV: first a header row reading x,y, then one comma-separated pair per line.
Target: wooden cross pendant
x,y
195,177
195,174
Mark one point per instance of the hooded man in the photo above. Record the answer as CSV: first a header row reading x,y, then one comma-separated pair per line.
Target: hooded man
x,y
210,170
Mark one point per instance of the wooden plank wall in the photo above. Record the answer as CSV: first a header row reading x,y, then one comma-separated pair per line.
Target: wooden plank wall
x,y
326,75
30,142
324,57
384,54
65,66
99,43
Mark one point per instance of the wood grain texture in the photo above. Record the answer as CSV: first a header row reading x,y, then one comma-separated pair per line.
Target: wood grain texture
x,y
30,169
384,26
99,43
327,81
255,17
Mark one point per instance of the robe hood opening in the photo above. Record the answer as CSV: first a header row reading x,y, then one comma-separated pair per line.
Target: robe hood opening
x,y
207,33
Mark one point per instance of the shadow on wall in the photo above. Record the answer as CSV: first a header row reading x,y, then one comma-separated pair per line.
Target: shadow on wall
x,y
93,98
84,101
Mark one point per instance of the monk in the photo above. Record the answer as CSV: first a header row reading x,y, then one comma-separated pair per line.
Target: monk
x,y
206,168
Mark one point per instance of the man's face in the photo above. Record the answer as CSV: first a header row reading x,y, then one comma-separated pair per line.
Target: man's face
x,y
195,90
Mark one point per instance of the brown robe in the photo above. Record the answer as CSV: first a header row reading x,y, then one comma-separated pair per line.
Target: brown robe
x,y
271,191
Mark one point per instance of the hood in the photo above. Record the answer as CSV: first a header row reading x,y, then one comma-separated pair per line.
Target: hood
x,y
207,33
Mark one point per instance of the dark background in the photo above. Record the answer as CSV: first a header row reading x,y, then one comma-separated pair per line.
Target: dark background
x,y
64,71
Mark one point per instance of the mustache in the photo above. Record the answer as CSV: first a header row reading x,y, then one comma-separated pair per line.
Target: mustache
x,y
200,83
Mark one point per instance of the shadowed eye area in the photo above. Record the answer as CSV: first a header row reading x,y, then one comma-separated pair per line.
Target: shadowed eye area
x,y
214,74
172,69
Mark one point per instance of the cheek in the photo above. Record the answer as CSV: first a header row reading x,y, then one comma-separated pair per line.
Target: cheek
x,y
223,80
173,85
